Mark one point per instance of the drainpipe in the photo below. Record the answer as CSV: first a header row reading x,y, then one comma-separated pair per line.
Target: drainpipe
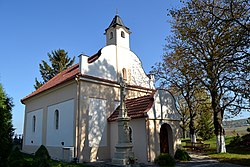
x,y
148,137
77,140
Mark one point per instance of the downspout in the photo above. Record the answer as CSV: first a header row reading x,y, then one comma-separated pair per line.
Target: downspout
x,y
77,144
148,138
117,71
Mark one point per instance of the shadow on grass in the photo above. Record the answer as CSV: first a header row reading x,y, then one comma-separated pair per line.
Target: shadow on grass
x,y
236,154
239,150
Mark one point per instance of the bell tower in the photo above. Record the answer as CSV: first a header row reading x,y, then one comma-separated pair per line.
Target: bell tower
x,y
117,33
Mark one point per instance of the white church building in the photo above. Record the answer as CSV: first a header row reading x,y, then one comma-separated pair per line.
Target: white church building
x,y
75,113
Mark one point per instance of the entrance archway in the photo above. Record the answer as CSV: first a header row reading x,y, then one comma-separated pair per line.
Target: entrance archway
x,y
165,138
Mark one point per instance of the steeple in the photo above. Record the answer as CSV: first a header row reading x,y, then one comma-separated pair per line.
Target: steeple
x,y
117,21
117,33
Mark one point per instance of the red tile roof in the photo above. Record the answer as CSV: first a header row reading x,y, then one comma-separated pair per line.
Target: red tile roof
x,y
95,56
136,107
66,75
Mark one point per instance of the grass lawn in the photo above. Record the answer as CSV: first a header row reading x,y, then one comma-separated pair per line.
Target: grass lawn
x,y
237,155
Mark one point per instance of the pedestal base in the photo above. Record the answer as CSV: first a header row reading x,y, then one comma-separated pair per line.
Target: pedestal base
x,y
122,154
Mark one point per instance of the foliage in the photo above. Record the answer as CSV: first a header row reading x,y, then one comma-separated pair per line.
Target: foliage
x,y
235,141
6,131
17,159
182,155
165,159
248,120
248,129
42,157
205,127
212,53
240,141
59,61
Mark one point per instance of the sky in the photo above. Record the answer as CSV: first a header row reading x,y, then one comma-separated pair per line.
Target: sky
x,y
30,29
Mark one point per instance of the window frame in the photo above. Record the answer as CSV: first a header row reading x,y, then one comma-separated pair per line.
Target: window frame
x,y
56,119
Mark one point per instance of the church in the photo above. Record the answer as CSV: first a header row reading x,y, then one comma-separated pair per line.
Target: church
x,y
74,115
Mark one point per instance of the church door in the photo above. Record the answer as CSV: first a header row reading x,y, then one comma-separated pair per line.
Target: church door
x,y
164,138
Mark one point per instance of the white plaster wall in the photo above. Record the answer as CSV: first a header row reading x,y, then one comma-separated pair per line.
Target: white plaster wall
x,y
34,138
123,42
97,123
105,66
139,139
163,107
109,66
113,137
64,133
117,39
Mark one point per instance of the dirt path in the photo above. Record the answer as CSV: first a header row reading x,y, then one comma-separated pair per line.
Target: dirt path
x,y
199,160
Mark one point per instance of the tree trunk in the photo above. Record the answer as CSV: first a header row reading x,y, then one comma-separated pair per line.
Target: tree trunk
x,y
219,130
220,133
184,133
192,130
183,128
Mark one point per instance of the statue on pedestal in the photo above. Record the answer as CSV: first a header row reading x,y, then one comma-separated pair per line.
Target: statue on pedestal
x,y
123,93
124,145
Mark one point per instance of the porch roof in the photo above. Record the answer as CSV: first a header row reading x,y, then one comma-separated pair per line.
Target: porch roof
x,y
136,107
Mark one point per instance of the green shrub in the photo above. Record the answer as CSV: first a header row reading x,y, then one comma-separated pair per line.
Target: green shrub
x,y
42,152
42,157
16,158
182,155
235,141
165,159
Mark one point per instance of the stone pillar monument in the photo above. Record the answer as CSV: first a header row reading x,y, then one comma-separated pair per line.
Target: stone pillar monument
x,y
124,145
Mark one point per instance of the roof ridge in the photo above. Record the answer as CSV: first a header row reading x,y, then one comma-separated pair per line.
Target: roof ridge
x,y
59,78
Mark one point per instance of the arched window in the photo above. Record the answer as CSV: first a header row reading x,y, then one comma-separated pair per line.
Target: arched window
x,y
34,123
130,134
111,35
124,74
122,34
56,119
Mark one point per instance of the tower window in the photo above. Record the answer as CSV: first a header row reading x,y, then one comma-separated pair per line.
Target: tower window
x,y
111,35
34,123
122,34
56,119
124,73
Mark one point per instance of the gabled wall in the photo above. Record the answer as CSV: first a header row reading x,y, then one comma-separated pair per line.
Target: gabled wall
x,y
163,112
164,106
63,98
110,64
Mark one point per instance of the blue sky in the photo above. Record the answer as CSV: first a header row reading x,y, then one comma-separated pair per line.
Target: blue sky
x,y
30,29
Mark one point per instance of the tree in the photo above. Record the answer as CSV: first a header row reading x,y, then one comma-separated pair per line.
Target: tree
x,y
205,128
184,113
172,72
234,12
7,130
182,109
215,54
59,61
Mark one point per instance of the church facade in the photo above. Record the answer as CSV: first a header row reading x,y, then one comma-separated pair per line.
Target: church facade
x,y
75,113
